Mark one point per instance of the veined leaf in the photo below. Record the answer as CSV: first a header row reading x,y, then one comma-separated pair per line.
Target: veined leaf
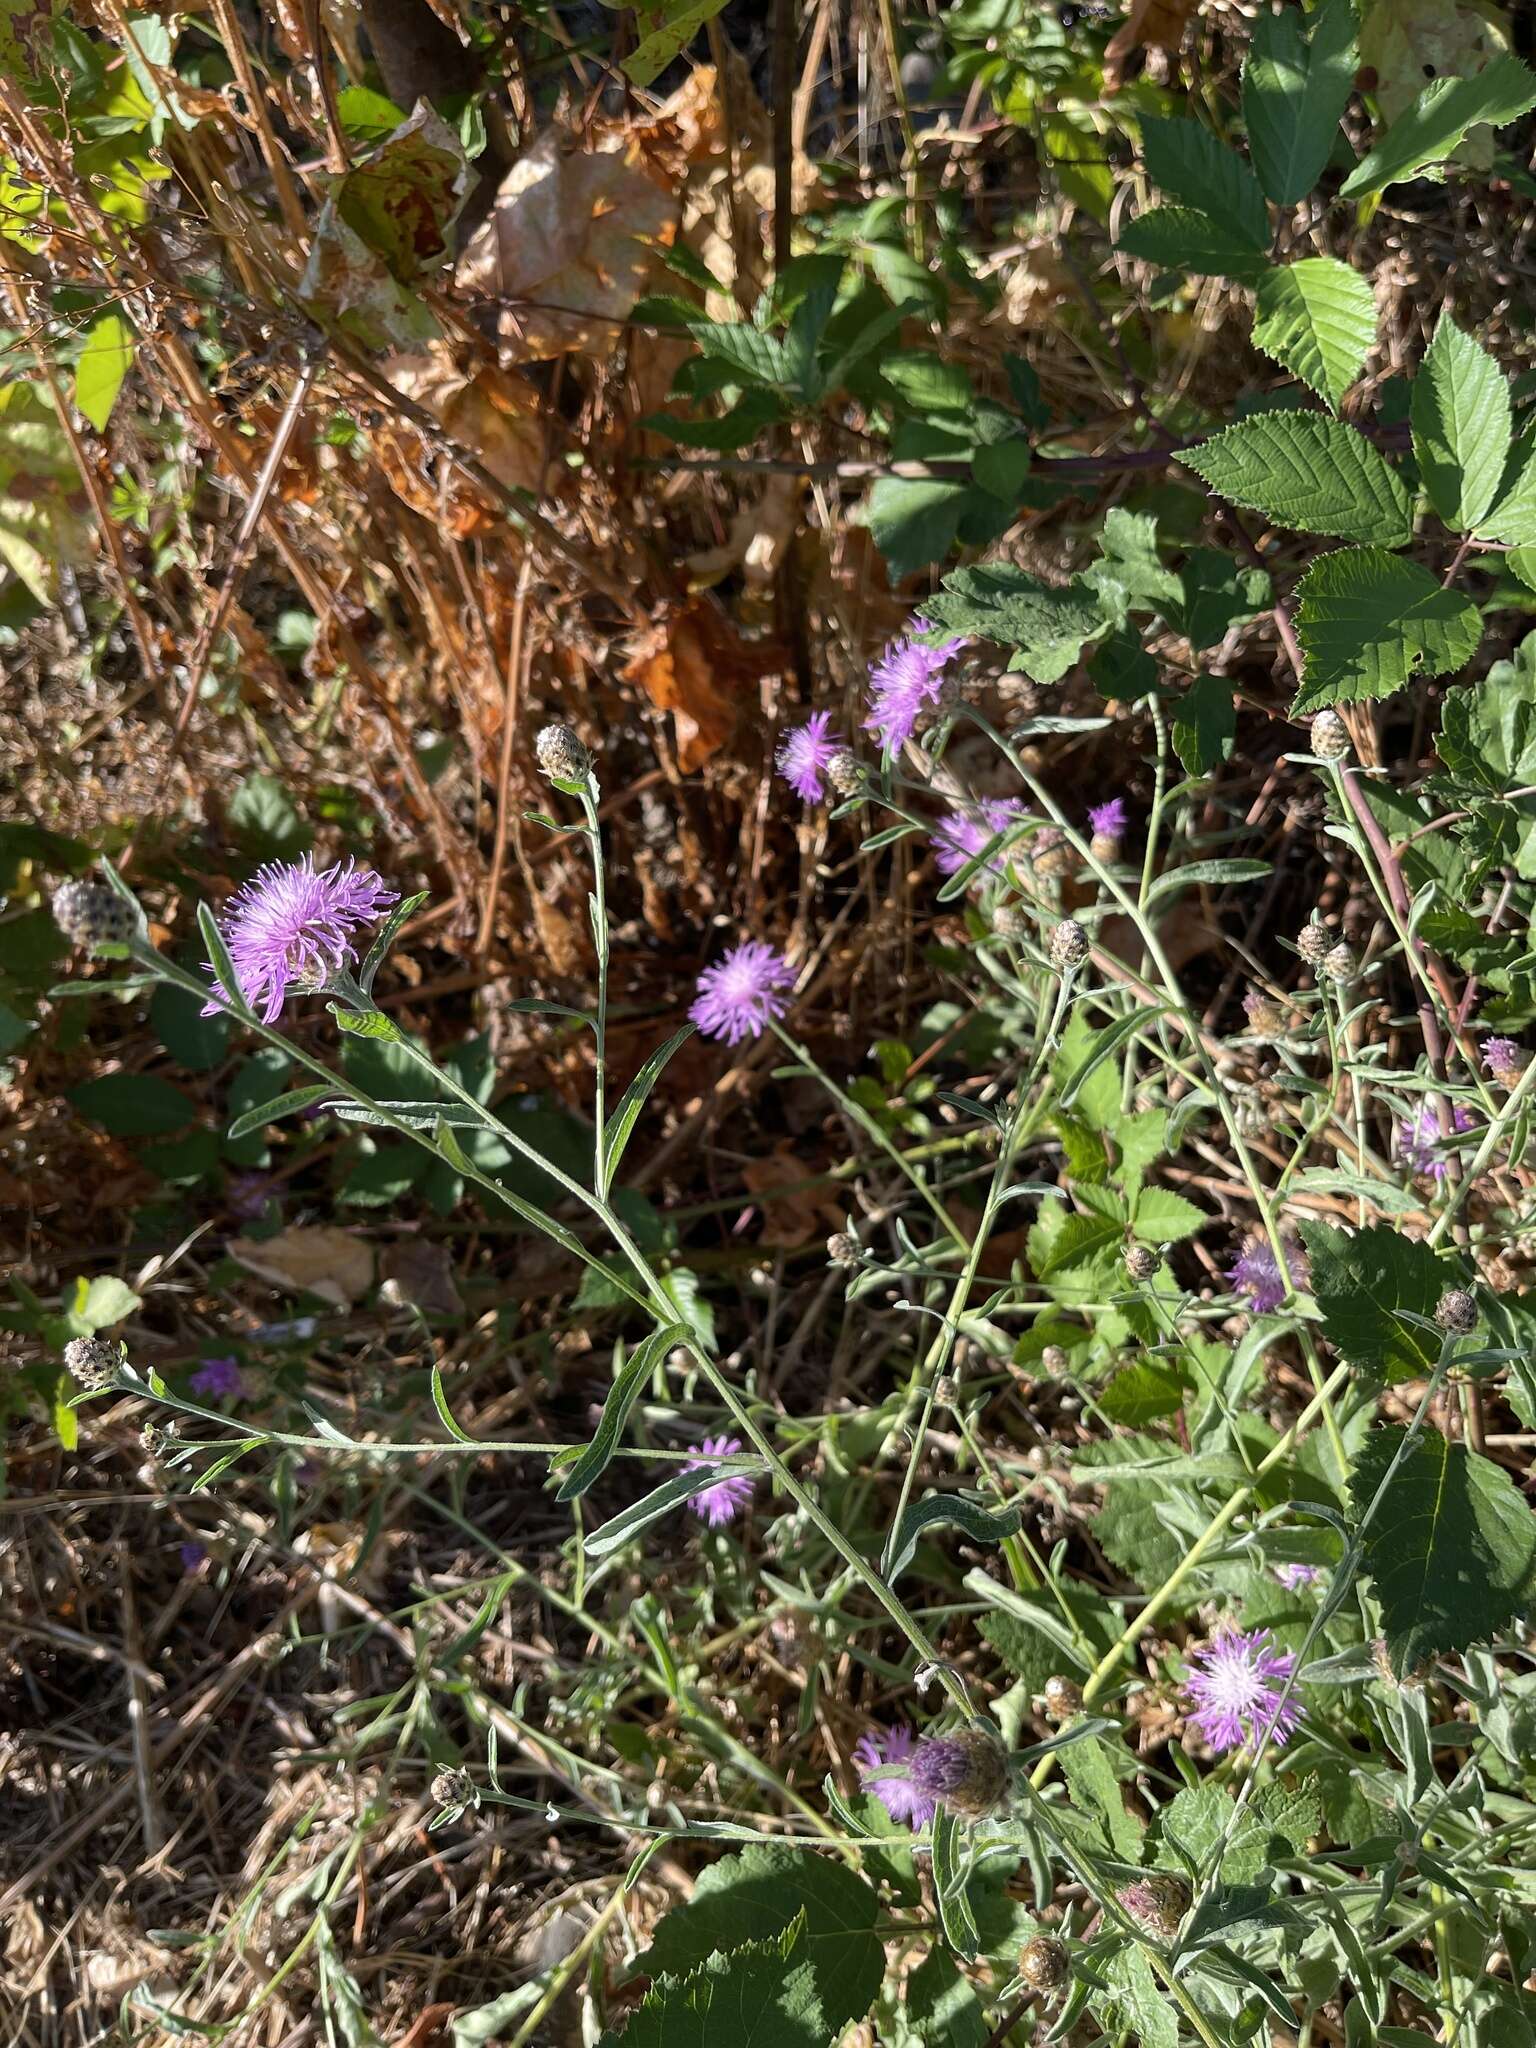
x,y
1318,318
622,1396
1295,90
104,362
1437,121
1362,1283
758,1994
1185,160
1046,627
1310,473
982,1525
1369,621
1179,238
1461,426
623,1527
1452,1548
1513,518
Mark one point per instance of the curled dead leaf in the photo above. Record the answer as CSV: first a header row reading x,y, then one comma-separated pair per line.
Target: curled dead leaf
x,y
797,1203
490,413
310,1259
696,665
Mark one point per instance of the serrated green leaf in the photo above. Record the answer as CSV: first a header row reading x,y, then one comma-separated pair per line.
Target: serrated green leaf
x,y
1179,238
1309,472
935,1510
1162,1217
1513,517
1096,1791
1317,318
1217,595
1361,1283
1451,1551
105,361
1142,1392
1046,627
1437,121
1461,426
1205,724
760,1994
1129,576
1295,90
1369,622
1185,160
1135,2001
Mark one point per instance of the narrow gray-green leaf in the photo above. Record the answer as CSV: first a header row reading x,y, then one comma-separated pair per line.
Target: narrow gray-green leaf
x,y
280,1106
1317,318
627,1110
622,1396
982,1525
628,1523
1308,472
1461,426
1295,90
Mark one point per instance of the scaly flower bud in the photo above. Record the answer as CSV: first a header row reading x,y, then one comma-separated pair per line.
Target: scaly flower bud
x,y
1044,1963
93,915
1069,946
1314,942
562,755
1011,921
1340,965
1457,1312
91,1361
845,772
1142,1261
1329,736
1061,1698
1266,1017
1157,1902
844,1249
1054,1360
966,1771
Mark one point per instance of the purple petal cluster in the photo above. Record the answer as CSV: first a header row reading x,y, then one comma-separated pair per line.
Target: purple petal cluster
x,y
1420,1144
1108,820
741,995
805,754
291,927
1505,1060
218,1379
1294,1576
1235,1682
882,1756
962,835
1256,1272
723,1501
906,679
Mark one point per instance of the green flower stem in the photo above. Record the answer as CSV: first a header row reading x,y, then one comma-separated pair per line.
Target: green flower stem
x,y
600,939
1492,1138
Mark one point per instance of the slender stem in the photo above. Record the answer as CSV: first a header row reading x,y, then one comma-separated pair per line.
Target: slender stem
x,y
600,936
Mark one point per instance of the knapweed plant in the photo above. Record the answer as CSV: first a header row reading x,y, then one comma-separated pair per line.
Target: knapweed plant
x,y
1149,1636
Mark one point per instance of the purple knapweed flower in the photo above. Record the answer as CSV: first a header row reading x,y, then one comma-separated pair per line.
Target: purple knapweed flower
x,y
723,1501
881,1750
1505,1060
903,683
1238,1701
1256,1273
961,835
1294,1576
218,1379
192,1556
741,995
291,927
1108,820
805,754
1419,1143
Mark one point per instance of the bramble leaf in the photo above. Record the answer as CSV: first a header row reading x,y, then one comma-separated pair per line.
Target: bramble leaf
x,y
1308,472
1046,628
1179,238
759,1994
1461,427
1369,621
1318,318
1295,91
1361,1283
1437,121
1185,160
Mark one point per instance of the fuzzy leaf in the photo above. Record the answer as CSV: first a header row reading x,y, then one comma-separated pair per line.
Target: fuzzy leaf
x,y
759,1994
1308,472
1135,2001
1369,622
1046,627
1295,90
1437,121
1204,725
1461,426
1185,160
1097,1791
982,1525
1318,318
1362,1282
1451,1550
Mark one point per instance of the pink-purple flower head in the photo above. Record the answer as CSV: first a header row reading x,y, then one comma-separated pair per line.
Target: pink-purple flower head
x,y
1237,1683
1420,1144
218,1379
291,927
724,1501
1257,1273
806,753
962,835
882,1757
1294,1576
903,683
741,995
1505,1059
1108,820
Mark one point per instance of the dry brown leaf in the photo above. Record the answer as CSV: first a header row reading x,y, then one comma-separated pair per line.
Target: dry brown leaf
x,y
310,1259
1158,24
697,666
792,1213
569,245
758,536
491,414
418,1273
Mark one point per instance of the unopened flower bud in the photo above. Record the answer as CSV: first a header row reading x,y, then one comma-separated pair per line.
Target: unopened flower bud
x,y
93,915
453,1786
1044,1963
1457,1312
1142,1261
1340,965
1011,921
966,1771
843,1249
561,754
91,1361
845,772
1267,1018
1314,942
1157,1903
1069,946
1054,1360
1061,1698
1505,1060
1329,736
946,1390
1052,856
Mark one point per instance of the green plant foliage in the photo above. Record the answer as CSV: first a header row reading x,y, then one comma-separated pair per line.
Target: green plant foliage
x,y
1369,622
1180,238
1461,426
762,1993
1363,1284
1318,318
1309,472
1185,159
1045,629
1295,89
1438,119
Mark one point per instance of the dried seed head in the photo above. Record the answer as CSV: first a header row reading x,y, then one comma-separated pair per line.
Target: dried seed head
x,y
1340,964
1069,946
1329,736
967,1771
93,915
1314,942
1054,1360
1061,1698
1044,1963
453,1786
1142,1261
1157,1903
845,772
1266,1017
91,1361
946,1390
1011,921
1052,856
152,1439
561,754
844,1250
1457,1312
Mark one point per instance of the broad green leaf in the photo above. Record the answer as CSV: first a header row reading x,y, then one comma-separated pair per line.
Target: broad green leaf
x,y
1488,744
1451,1551
747,349
1277,1822
756,1896
265,820
402,200
1098,1792
107,1300
1363,1283
758,1994
1205,724
1162,1217
1295,90
1317,318
1216,595
1308,472
1369,622
133,1105
1073,1242
914,520
1437,121
1135,2001
1046,628
1513,517
1143,1392
1185,160
196,1043
1461,426
667,31
1129,576
625,1391
1179,238
942,2009
104,362
1076,152
981,1524
44,511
